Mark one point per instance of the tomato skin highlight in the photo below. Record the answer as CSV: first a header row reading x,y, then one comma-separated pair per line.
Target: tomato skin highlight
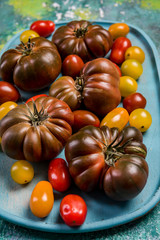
x,y
42,199
127,85
135,52
43,27
8,92
118,30
35,97
6,107
73,210
58,175
72,65
134,101
132,68
24,37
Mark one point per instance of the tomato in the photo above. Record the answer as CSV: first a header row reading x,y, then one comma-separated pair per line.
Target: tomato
x,y
22,172
32,66
84,39
135,53
8,92
73,210
118,118
134,101
6,107
35,97
141,119
97,88
118,30
132,68
127,86
72,65
24,37
36,131
43,27
42,199
83,118
119,48
118,68
91,151
58,175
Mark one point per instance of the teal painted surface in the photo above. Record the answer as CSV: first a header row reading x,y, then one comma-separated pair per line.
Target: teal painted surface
x,y
145,15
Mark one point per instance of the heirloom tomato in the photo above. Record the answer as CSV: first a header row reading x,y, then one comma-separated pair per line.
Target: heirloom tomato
x,y
72,65
83,118
132,68
42,199
118,30
35,97
6,107
73,210
134,101
36,131
43,27
141,119
127,85
84,39
31,66
118,118
97,87
93,152
58,175
135,53
8,92
22,172
24,37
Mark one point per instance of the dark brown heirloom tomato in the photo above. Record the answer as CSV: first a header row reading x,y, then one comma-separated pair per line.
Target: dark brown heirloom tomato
x,y
97,87
83,39
32,66
36,131
93,154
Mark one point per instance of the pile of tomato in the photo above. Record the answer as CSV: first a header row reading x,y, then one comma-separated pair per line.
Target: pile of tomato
x,y
80,113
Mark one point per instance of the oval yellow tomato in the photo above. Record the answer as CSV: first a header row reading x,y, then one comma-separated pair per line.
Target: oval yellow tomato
x,y
118,30
118,117
6,107
135,52
28,34
127,86
42,199
132,68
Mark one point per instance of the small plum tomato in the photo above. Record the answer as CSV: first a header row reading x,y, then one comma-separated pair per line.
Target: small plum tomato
x,y
135,52
132,68
24,37
42,199
72,65
43,27
73,210
118,30
127,86
22,172
134,101
8,92
6,107
118,118
35,97
58,175
141,119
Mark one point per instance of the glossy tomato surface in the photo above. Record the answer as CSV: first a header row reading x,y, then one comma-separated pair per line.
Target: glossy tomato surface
x,y
127,85
43,27
28,34
132,68
73,210
8,92
7,107
35,97
118,30
134,101
58,175
72,66
135,52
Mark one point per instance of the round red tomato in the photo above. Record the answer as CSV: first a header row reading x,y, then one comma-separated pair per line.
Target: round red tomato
x,y
8,92
35,97
58,175
134,101
73,210
83,118
72,65
43,27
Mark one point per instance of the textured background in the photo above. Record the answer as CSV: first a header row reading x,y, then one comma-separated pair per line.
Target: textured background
x,y
15,15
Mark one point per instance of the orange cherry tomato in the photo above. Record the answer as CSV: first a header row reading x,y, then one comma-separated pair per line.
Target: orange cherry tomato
x,y
118,117
118,30
42,199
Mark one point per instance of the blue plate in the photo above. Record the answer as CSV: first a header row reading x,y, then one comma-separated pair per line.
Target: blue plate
x,y
103,212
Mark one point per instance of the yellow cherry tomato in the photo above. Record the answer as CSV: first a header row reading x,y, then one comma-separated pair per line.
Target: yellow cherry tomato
x,y
135,52
6,107
127,86
118,117
28,34
141,119
118,30
22,172
42,199
132,68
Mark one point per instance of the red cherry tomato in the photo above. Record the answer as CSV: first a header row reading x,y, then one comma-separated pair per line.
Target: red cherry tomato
x,y
58,175
73,210
119,48
83,118
35,97
134,101
72,65
8,92
118,68
43,27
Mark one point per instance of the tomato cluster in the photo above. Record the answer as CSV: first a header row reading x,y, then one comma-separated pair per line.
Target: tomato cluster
x,y
80,112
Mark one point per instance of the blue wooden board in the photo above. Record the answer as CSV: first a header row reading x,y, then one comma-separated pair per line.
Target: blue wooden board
x,y
103,212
